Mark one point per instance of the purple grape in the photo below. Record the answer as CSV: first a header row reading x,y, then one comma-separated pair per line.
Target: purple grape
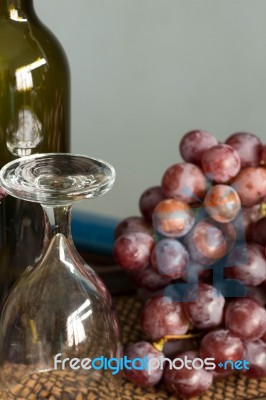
x,y
186,382
221,163
222,345
185,182
149,200
194,144
246,319
250,185
256,356
133,224
207,243
162,316
169,258
222,203
143,377
132,250
204,306
173,218
247,263
248,146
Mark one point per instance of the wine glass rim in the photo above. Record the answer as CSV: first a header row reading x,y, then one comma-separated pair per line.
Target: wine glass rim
x,y
40,155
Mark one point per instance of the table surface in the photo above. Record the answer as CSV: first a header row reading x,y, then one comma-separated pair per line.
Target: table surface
x,y
129,307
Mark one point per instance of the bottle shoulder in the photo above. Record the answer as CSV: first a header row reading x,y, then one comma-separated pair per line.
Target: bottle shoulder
x,y
47,40
25,42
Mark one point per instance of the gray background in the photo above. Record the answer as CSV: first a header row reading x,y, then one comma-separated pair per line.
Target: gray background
x,y
146,71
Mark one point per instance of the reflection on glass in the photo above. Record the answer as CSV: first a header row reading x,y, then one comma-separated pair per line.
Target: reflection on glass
x,y
24,79
13,13
27,136
75,329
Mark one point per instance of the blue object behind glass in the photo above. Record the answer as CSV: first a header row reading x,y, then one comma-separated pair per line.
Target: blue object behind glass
x,y
93,233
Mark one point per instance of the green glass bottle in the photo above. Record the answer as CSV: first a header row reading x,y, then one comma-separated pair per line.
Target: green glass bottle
x,y
34,118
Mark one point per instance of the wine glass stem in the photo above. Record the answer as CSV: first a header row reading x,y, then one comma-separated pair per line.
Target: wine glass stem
x,y
57,220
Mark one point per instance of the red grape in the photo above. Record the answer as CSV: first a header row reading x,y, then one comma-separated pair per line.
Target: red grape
x,y
194,144
184,182
264,337
204,305
133,224
149,200
169,258
222,345
246,319
256,356
186,382
173,218
149,279
206,243
221,163
248,146
132,250
162,316
250,185
143,377
222,203
247,264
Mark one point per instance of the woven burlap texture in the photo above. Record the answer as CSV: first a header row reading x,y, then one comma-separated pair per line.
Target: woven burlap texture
x,y
38,387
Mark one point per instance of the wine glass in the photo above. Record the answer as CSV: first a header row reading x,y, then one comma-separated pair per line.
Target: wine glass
x,y
58,324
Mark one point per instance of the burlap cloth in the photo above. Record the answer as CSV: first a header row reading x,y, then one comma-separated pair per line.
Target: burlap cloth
x,y
233,388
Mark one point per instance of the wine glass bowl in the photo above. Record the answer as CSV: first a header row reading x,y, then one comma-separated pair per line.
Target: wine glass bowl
x,y
59,310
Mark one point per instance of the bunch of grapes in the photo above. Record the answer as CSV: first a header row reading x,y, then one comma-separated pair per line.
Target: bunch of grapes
x,y
198,252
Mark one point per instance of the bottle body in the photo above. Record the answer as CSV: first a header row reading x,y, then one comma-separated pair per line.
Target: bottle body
x,y
34,118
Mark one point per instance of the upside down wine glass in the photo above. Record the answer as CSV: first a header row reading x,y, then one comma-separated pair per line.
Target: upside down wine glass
x,y
59,316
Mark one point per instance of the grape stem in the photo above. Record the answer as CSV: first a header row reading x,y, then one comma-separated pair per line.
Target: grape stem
x,y
159,344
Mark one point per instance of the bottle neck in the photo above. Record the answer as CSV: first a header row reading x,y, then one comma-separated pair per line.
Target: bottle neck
x,y
16,10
